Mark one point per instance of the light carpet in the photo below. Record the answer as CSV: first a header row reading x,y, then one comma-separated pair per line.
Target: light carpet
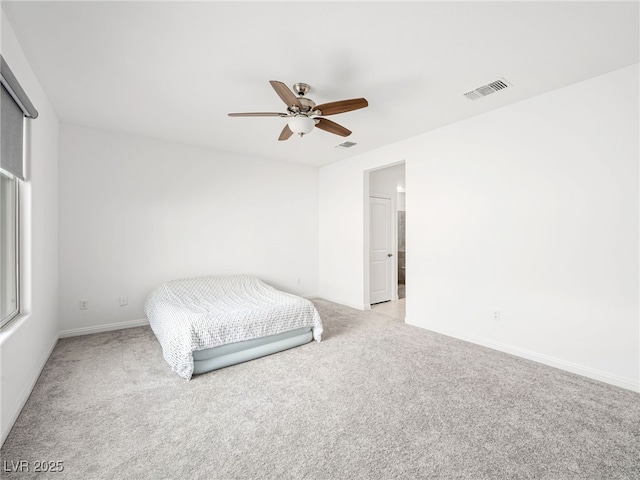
x,y
377,399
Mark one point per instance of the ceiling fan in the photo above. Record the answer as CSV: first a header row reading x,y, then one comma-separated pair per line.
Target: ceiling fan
x,y
304,114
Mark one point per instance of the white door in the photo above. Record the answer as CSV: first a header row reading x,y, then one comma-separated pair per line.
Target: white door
x,y
380,252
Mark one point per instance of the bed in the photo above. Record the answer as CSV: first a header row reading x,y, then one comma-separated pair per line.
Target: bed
x,y
207,323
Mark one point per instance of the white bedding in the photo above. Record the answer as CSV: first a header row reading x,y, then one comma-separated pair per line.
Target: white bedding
x,y
205,312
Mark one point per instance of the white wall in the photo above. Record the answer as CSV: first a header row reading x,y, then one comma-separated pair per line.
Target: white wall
x,y
27,342
533,210
386,180
135,212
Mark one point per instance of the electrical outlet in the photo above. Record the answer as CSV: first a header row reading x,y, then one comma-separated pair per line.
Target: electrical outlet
x,y
299,281
496,315
84,304
124,301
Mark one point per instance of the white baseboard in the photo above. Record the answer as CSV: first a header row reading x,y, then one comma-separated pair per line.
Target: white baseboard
x,y
74,332
343,302
541,358
24,395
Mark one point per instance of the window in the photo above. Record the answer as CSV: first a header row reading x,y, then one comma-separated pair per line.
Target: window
x,y
14,107
9,255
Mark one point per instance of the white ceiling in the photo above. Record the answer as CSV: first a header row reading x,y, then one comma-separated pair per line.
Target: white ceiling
x,y
173,70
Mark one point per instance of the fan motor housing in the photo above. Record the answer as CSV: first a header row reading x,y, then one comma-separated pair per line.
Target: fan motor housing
x,y
307,104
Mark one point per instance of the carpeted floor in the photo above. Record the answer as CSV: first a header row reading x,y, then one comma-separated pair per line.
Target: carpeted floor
x,y
377,399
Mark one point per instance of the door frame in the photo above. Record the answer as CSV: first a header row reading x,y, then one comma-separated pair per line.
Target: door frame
x,y
366,234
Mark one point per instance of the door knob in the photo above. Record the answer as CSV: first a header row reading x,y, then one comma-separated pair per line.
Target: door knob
x,y
389,254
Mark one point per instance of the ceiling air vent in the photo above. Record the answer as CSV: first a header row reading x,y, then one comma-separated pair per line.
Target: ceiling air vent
x,y
487,89
346,145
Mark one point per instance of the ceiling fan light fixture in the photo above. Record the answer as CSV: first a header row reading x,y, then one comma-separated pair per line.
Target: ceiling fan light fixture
x,y
301,124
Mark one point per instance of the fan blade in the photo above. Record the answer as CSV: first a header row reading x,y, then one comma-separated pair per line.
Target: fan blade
x,y
332,127
286,133
258,114
341,106
285,94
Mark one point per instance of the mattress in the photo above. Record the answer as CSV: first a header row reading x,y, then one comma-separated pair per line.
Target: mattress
x,y
211,359
195,314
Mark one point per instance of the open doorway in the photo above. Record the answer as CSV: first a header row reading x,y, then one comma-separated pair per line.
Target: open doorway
x,y
385,231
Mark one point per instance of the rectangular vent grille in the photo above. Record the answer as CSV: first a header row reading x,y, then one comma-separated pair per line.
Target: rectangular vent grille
x,y
487,89
346,145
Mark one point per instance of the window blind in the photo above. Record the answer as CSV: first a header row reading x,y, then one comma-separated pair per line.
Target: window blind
x,y
14,106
